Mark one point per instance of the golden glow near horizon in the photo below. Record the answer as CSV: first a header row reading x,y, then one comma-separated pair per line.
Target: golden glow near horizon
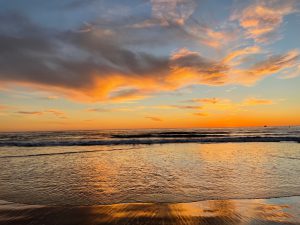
x,y
153,64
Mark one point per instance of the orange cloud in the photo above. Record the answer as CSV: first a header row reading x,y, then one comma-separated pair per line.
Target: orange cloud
x,y
241,52
157,119
217,39
227,104
184,67
215,104
264,18
257,101
200,114
290,73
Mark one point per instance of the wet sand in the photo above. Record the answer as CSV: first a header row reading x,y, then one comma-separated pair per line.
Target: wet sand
x,y
216,212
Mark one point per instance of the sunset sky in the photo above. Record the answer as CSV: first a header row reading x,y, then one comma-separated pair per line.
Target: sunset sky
x,y
106,64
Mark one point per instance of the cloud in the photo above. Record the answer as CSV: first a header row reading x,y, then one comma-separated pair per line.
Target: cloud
x,y
269,66
257,101
216,103
192,107
30,112
200,114
128,94
231,89
209,100
144,24
190,67
290,73
211,36
99,110
263,18
183,107
216,39
93,66
167,13
110,62
156,119
221,104
57,113
51,97
176,17
97,63
105,109
241,53
170,12
277,62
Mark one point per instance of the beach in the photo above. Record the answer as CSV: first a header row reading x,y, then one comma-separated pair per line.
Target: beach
x,y
215,212
53,178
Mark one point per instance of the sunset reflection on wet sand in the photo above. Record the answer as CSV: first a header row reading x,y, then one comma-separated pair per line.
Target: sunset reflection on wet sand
x,y
217,212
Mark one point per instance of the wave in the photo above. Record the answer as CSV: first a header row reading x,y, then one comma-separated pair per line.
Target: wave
x,y
148,141
172,134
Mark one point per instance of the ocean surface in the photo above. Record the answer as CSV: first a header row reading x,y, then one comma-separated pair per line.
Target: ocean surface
x,y
153,165
149,136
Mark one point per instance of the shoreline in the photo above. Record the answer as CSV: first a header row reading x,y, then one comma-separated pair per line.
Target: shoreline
x,y
3,202
274,211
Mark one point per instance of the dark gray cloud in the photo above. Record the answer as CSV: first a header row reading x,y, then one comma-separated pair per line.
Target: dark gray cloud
x,y
53,112
74,59
201,64
32,54
31,112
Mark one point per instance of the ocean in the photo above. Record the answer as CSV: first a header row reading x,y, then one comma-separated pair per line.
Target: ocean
x,y
154,165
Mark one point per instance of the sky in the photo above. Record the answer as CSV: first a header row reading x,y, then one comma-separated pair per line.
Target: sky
x,y
110,64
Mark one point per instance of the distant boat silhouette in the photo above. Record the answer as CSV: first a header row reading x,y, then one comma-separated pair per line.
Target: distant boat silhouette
x,y
265,126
